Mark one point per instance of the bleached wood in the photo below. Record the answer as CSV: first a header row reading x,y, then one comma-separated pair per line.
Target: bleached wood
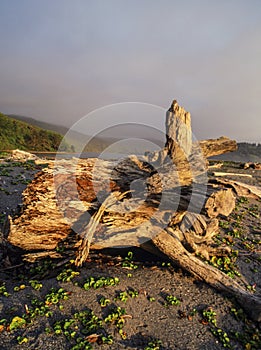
x,y
178,214
219,173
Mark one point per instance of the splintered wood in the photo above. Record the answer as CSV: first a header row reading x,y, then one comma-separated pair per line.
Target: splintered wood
x,y
163,201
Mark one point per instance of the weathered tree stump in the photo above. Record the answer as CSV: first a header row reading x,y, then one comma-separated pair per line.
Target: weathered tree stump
x,y
163,200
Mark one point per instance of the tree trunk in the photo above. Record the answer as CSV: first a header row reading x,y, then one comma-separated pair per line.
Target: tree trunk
x,y
164,198
169,243
48,216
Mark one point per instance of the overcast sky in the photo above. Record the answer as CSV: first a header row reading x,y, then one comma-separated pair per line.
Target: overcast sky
x,y
63,59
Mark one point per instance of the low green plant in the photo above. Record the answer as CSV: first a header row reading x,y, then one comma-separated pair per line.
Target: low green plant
x,y
65,327
242,200
3,291
89,320
39,309
54,296
151,299
107,339
249,337
42,307
132,293
254,210
210,316
116,317
18,288
48,330
104,302
41,268
4,171
82,329
99,282
67,275
238,314
128,262
36,285
21,340
193,312
222,336
226,264
172,300
154,345
224,224
124,295
251,288
82,344
17,322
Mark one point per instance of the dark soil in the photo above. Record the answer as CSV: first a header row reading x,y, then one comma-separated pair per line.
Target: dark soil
x,y
148,315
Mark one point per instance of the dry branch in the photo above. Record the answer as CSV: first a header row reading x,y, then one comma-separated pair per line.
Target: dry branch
x,y
215,147
169,243
219,173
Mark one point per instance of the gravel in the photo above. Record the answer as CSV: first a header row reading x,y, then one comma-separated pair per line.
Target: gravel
x,y
148,319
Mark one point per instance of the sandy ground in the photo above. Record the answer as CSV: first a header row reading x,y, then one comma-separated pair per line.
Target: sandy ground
x,y
145,284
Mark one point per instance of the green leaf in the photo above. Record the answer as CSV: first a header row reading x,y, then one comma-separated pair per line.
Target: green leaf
x,y
17,322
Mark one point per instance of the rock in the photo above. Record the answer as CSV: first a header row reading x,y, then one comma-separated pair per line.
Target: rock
x,y
22,156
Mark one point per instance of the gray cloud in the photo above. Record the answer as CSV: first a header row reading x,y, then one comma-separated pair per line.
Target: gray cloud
x,y
62,59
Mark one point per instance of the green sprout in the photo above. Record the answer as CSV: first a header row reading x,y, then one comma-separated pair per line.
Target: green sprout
x,y
104,302
128,262
36,285
3,291
17,322
21,340
210,316
172,300
99,282
154,345
67,275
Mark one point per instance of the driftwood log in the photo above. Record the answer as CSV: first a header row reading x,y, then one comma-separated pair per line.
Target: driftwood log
x,y
163,201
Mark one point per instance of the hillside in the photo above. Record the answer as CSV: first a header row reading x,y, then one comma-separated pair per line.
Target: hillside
x,y
76,139
43,125
246,152
18,134
94,145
